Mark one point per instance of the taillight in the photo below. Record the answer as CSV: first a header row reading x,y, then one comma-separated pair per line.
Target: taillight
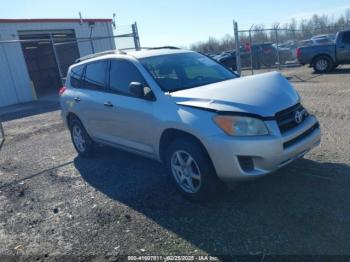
x,y
62,90
298,53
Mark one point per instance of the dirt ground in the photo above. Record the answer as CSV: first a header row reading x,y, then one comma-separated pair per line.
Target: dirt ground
x,y
54,203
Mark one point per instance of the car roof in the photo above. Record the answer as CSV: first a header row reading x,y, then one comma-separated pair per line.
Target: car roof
x,y
156,52
138,54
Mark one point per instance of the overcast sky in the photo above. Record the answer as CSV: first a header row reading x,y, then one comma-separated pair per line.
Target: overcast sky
x,y
179,22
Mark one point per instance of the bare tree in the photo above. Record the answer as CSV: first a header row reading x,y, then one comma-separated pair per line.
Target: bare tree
x,y
347,16
292,31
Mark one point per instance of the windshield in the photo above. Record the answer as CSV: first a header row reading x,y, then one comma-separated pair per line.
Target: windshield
x,y
185,70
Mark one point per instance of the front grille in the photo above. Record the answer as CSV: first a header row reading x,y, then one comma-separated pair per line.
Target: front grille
x,y
246,163
301,137
286,119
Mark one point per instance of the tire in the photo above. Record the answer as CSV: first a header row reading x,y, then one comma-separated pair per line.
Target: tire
x,y
268,62
82,142
196,181
322,64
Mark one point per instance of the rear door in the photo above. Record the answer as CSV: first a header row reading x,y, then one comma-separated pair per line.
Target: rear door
x,y
90,96
343,48
130,120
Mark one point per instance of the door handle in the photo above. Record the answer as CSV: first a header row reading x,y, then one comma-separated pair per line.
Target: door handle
x,y
343,46
77,99
109,104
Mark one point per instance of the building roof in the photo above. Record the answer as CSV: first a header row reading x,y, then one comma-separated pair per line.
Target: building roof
x,y
54,20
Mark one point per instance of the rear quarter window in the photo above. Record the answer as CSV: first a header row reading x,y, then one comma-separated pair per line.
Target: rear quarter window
x,y
346,38
76,76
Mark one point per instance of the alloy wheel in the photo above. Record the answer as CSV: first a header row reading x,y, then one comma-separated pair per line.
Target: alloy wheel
x,y
186,171
78,138
322,65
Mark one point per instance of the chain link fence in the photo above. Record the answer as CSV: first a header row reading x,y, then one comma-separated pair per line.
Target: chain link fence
x,y
128,37
267,48
261,48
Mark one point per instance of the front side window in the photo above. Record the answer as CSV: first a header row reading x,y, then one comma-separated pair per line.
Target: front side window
x,y
185,70
76,75
95,75
122,73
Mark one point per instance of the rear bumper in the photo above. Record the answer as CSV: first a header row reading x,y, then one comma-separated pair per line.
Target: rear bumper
x,y
266,153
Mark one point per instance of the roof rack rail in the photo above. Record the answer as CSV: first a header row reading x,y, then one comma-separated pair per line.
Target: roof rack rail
x,y
109,52
121,51
160,47
127,48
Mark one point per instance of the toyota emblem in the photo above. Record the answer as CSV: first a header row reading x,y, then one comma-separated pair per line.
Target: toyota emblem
x,y
298,117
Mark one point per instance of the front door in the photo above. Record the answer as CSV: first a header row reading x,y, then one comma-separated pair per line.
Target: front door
x,y
130,119
343,48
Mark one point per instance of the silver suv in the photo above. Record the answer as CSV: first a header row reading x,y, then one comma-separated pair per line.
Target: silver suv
x,y
206,124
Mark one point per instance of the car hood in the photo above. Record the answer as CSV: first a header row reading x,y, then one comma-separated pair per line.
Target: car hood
x,y
263,94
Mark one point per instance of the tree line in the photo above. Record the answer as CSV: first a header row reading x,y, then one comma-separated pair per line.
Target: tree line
x,y
293,30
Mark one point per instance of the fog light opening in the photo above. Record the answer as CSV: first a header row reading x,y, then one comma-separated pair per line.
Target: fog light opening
x,y
246,163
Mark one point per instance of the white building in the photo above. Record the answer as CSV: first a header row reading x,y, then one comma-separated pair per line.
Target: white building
x,y
32,69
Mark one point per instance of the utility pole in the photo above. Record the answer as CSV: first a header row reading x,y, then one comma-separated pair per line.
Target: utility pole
x,y
135,34
277,48
238,53
251,49
92,25
56,58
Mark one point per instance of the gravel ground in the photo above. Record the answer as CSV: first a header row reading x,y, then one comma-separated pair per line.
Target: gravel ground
x,y
54,203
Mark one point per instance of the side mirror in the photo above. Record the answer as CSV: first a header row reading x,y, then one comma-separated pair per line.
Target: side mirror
x,y
136,89
140,91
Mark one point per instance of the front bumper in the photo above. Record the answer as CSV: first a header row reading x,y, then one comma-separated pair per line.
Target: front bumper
x,y
267,153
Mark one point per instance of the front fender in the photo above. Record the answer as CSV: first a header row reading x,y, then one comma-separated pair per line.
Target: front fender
x,y
196,122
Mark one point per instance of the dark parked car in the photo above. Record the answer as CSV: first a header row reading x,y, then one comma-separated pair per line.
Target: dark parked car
x,y
264,55
228,59
287,52
324,58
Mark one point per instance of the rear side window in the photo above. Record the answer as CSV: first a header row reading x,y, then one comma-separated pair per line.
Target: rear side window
x,y
76,75
346,38
95,75
122,73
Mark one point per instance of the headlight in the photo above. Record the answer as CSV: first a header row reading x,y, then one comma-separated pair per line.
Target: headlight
x,y
241,126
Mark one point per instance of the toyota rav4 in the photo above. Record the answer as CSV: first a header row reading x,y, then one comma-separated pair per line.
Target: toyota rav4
x,y
206,124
